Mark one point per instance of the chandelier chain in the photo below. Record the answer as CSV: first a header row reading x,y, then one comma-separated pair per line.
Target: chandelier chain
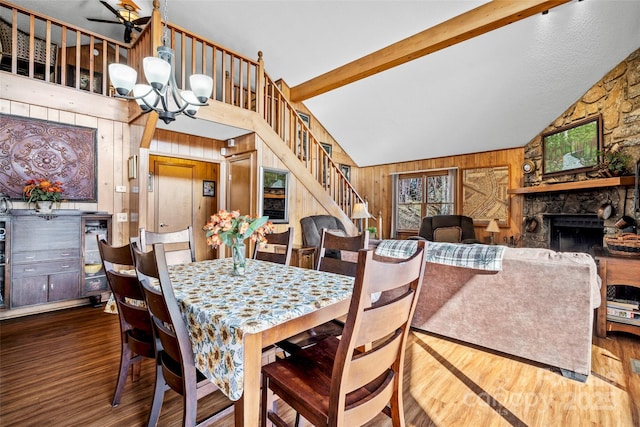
x,y
165,19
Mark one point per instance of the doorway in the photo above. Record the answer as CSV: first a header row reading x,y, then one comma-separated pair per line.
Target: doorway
x,y
180,195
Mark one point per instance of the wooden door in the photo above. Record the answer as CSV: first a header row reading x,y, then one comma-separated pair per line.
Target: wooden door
x,y
174,196
241,186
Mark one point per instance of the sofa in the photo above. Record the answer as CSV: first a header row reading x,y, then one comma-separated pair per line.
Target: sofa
x,y
538,305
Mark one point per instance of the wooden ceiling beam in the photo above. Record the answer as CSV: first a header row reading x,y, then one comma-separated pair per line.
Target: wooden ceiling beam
x,y
481,20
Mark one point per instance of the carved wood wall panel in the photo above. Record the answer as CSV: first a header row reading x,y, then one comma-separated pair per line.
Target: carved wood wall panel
x,y
32,148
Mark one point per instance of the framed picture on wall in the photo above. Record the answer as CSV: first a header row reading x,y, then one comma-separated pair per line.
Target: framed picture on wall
x,y
209,188
346,171
303,136
573,148
484,194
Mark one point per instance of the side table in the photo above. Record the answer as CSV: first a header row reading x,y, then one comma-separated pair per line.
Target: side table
x,y
619,271
304,257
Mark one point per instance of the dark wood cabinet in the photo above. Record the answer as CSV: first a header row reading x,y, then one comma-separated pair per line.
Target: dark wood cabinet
x,y
45,259
53,257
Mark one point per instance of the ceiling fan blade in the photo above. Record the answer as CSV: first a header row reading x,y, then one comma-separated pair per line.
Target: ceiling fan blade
x,y
103,20
112,9
141,21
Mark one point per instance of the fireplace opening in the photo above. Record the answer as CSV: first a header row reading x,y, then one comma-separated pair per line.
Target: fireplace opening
x,y
575,233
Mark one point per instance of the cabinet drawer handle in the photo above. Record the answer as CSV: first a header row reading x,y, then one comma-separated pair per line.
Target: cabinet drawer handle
x,y
44,287
65,266
29,269
51,286
66,254
30,257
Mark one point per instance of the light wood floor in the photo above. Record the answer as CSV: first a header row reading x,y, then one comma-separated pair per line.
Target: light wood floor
x,y
59,369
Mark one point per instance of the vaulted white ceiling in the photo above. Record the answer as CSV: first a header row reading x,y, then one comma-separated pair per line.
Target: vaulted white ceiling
x,y
495,91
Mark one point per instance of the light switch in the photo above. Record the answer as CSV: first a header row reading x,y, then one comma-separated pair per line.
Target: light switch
x,y
121,217
121,189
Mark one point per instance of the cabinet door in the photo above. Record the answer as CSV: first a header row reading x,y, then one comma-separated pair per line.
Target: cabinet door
x,y
64,286
29,290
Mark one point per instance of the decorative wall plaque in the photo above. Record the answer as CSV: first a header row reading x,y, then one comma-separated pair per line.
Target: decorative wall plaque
x,y
33,148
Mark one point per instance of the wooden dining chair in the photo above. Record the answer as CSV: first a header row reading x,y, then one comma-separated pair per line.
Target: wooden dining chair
x,y
282,245
337,254
348,381
176,357
179,245
136,332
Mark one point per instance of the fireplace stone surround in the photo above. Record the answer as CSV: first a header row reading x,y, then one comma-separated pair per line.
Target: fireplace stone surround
x,y
563,214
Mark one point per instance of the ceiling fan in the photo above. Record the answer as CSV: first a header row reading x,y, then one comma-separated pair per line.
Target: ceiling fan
x,y
127,16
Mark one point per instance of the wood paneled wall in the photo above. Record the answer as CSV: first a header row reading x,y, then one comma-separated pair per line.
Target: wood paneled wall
x,y
375,184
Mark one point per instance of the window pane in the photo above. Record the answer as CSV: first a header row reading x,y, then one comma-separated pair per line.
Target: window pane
x,y
440,209
409,190
409,216
438,189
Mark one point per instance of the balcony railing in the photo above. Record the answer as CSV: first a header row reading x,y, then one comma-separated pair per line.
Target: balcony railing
x,y
56,52
53,51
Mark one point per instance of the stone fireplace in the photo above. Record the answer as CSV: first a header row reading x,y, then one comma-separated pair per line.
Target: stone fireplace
x,y
568,221
575,233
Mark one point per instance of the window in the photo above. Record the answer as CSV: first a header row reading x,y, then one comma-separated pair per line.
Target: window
x,y
423,194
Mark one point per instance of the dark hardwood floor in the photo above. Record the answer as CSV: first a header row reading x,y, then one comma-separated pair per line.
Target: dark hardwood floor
x,y
59,369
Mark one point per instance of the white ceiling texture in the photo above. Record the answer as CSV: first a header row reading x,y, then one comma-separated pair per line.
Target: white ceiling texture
x,y
495,91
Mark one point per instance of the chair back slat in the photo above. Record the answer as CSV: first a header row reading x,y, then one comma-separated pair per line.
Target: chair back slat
x,y
338,254
114,257
179,245
280,242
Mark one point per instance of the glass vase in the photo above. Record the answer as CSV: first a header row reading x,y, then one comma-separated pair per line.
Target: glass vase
x,y
239,258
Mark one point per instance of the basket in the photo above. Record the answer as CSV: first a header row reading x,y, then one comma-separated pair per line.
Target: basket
x,y
627,244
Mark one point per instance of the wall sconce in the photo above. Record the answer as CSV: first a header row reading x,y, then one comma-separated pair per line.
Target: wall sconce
x,y
133,167
493,229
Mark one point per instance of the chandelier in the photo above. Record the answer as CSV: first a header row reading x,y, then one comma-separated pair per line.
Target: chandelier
x,y
161,94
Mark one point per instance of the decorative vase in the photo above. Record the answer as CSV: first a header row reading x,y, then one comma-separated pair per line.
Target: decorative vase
x,y
239,258
44,206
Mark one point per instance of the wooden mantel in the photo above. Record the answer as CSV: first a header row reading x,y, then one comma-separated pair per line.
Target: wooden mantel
x,y
578,185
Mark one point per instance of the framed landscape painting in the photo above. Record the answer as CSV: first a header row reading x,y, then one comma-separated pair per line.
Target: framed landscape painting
x,y
573,148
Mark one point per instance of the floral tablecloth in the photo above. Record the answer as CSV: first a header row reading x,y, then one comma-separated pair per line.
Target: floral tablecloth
x,y
220,308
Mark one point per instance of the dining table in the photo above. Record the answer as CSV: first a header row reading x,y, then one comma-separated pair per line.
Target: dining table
x,y
231,318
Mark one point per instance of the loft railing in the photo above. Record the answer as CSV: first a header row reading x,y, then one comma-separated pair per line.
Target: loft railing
x,y
53,51
42,48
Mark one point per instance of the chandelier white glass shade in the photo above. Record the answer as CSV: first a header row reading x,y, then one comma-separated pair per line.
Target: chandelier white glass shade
x,y
161,94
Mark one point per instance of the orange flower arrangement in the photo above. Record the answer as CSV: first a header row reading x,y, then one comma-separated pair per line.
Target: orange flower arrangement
x,y
41,189
228,228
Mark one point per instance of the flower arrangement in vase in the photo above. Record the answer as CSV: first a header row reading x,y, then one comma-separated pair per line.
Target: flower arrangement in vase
x,y
43,193
231,229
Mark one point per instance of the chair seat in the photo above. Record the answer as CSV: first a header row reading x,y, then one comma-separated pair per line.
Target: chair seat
x,y
311,336
312,367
